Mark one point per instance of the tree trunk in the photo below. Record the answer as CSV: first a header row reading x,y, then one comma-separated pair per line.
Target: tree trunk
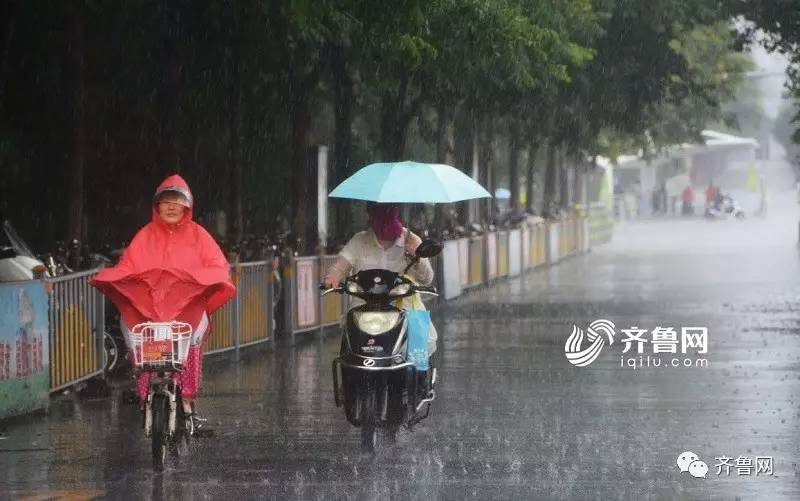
x,y
8,32
513,168
5,180
563,178
392,129
396,115
302,87
443,146
443,152
75,230
299,165
235,126
550,179
530,172
169,92
485,160
464,149
344,100
576,180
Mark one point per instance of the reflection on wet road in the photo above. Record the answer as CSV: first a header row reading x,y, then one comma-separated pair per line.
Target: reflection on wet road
x,y
513,419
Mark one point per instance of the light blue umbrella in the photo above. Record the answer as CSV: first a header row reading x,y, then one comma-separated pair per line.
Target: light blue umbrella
x,y
409,182
502,193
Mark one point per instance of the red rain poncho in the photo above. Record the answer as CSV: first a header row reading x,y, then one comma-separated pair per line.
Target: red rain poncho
x,y
168,272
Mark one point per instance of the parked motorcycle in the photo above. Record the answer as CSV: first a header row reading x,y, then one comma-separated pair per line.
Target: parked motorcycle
x,y
373,379
17,262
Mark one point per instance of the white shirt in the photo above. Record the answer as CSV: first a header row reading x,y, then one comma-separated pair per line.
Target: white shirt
x,y
364,252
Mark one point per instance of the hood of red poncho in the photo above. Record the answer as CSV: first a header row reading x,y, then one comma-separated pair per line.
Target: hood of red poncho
x,y
179,185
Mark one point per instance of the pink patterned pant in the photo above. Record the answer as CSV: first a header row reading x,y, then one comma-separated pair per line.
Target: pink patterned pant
x,y
188,380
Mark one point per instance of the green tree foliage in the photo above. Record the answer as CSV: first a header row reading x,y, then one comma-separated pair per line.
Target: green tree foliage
x,y
714,73
780,22
787,133
234,94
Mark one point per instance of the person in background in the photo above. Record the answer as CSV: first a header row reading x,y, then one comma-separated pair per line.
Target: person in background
x,y
687,206
711,194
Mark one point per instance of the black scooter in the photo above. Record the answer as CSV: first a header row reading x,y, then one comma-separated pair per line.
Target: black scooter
x,y
379,388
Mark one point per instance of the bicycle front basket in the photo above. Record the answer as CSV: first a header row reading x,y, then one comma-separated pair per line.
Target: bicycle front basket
x,y
161,345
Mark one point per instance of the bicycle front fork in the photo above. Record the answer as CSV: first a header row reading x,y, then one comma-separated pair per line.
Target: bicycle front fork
x,y
166,388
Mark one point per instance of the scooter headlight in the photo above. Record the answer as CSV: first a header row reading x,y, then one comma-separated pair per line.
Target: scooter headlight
x,y
354,288
376,322
400,290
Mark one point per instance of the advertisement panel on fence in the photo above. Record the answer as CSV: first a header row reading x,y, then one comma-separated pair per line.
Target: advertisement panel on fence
x,y
452,275
463,260
307,293
332,304
491,256
554,242
514,253
24,353
526,248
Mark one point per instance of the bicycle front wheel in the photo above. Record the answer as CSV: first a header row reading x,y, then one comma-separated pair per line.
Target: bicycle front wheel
x,y
160,430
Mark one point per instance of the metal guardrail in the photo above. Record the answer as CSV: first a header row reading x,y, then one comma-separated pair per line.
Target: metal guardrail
x,y
254,303
247,318
309,310
77,316
222,335
76,325
601,223
77,322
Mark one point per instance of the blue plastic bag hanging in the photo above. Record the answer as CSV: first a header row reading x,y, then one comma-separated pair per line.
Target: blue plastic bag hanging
x,y
419,324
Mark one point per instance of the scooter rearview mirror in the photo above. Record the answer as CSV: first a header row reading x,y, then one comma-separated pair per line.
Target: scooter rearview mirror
x,y
428,248
8,253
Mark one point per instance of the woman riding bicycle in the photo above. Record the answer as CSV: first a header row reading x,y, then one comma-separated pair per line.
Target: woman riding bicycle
x,y
172,270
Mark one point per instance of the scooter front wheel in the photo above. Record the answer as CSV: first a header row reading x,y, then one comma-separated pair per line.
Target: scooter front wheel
x,y
369,408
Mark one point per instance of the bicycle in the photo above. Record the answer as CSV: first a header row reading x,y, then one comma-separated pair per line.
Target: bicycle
x,y
162,348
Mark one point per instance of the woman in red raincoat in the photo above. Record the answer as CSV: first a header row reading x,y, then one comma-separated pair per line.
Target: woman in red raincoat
x,y
172,270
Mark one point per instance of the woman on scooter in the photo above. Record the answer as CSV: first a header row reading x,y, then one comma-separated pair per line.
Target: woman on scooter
x,y
386,245
172,270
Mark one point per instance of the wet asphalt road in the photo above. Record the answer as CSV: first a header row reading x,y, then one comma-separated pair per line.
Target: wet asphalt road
x,y
513,419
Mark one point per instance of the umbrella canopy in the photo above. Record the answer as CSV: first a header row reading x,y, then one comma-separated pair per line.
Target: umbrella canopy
x,y
409,182
502,193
